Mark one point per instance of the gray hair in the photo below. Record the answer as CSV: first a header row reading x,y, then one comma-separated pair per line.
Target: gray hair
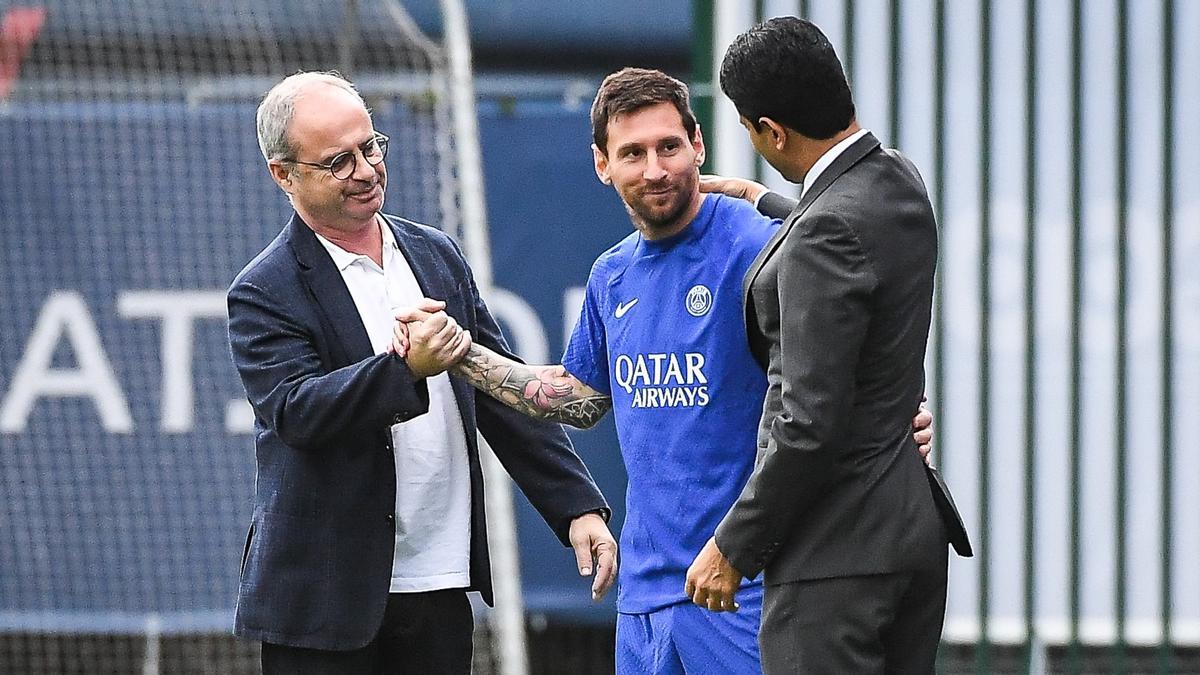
x,y
279,105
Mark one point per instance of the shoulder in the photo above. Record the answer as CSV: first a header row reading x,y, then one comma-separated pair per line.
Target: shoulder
x,y
271,264
736,222
411,229
437,242
904,163
887,174
612,263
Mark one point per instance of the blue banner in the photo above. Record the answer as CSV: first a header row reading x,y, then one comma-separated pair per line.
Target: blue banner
x,y
126,459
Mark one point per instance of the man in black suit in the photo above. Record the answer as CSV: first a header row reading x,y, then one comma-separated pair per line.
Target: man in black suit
x,y
368,526
845,521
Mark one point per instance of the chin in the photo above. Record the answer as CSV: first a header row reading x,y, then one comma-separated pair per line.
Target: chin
x,y
372,207
657,215
667,218
360,215
661,224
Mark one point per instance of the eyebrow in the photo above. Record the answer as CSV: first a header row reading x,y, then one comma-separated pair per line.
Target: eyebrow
x,y
329,158
622,149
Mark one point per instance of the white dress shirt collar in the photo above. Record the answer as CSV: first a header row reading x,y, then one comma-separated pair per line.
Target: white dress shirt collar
x,y
826,159
343,258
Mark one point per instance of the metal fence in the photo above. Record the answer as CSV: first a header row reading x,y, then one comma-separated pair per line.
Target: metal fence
x,y
1064,363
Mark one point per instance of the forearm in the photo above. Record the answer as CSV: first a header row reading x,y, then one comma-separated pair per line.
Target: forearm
x,y
542,462
543,392
291,389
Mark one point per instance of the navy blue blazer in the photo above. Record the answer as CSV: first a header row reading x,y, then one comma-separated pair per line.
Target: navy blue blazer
x,y
317,563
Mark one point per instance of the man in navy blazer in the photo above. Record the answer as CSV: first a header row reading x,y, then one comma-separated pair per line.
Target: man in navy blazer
x,y
368,526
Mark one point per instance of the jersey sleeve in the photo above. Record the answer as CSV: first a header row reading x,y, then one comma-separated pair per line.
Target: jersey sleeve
x,y
586,356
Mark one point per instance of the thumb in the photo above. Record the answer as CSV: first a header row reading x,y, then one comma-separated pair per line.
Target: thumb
x,y
410,314
583,554
430,305
420,311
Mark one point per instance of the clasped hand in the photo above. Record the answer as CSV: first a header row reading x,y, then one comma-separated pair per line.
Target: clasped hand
x,y
428,338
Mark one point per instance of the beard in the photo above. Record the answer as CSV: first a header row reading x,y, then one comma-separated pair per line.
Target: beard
x,y
662,211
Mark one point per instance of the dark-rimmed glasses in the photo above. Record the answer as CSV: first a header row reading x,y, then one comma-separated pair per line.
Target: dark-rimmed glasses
x,y
343,164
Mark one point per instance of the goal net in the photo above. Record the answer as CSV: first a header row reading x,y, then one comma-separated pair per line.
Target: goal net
x,y
131,192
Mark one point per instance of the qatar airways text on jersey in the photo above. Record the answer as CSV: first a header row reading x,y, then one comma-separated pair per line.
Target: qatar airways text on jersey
x,y
662,380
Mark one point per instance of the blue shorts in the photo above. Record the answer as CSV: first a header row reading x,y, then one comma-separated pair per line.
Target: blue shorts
x,y
686,639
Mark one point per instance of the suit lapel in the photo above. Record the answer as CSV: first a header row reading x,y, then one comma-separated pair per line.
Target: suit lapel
x,y
428,265
329,291
844,161
424,261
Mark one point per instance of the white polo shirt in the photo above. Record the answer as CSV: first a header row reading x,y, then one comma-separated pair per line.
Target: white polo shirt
x,y
433,484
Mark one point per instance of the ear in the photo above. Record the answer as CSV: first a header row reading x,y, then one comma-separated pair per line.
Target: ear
x,y
697,145
281,174
778,133
600,163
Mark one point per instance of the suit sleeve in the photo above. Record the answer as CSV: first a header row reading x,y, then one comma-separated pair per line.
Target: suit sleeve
x,y
775,205
537,454
825,285
292,391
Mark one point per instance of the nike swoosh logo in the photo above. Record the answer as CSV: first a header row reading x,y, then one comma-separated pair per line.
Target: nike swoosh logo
x,y
622,309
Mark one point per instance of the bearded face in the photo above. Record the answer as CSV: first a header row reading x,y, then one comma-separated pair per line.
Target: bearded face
x,y
654,167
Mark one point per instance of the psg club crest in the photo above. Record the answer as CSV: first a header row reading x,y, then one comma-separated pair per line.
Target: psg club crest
x,y
699,300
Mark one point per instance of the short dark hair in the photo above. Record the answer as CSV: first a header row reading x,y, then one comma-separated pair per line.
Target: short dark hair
x,y
786,69
631,89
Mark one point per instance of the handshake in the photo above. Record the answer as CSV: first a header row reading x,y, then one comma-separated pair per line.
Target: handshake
x,y
428,339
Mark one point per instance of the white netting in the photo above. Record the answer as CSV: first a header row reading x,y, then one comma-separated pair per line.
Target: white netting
x,y
131,192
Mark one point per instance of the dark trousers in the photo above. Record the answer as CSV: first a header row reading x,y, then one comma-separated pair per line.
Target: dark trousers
x,y
886,623
421,633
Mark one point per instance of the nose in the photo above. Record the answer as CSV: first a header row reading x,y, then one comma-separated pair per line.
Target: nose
x,y
654,170
363,171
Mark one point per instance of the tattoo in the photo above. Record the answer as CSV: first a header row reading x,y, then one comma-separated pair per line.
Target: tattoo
x,y
544,392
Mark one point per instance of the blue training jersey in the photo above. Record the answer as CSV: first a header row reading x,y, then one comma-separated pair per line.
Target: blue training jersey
x,y
662,332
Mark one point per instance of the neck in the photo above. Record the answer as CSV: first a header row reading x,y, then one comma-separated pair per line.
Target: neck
x,y
674,227
811,149
365,239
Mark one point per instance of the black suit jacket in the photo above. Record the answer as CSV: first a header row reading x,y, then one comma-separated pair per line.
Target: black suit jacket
x,y
838,310
317,564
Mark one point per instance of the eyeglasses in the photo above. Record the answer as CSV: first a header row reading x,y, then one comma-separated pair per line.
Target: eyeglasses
x,y
343,164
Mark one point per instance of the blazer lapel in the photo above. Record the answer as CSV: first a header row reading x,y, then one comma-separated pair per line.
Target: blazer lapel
x,y
424,261
329,291
844,161
428,265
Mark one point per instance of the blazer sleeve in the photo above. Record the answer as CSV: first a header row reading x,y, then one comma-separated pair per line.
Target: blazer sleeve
x,y
536,453
292,391
775,205
825,283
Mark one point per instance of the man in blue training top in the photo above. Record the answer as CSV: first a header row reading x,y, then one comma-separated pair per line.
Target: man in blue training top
x,y
662,341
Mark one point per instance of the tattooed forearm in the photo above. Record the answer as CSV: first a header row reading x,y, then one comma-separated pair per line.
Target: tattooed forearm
x,y
544,392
